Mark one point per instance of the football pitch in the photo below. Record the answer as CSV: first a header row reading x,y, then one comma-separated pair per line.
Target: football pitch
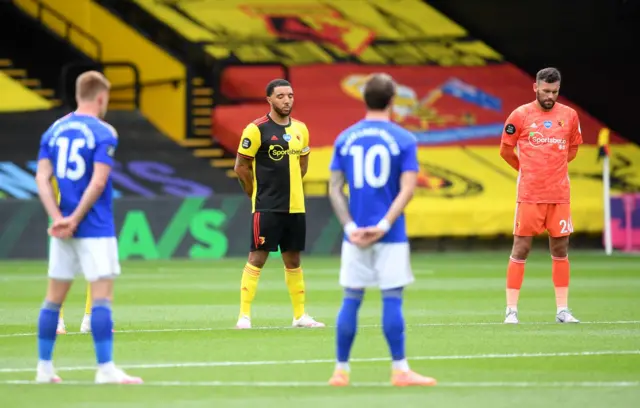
x,y
174,328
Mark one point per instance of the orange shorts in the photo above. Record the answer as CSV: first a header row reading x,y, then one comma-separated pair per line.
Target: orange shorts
x,y
533,219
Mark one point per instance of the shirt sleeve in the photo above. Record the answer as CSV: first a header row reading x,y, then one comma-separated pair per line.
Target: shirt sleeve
x,y
249,141
576,132
43,152
512,128
305,141
409,156
107,143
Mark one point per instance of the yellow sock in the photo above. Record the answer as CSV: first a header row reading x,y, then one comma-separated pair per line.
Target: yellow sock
x,y
61,313
88,305
248,288
295,282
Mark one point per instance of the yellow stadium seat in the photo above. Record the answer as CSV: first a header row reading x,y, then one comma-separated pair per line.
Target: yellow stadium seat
x,y
16,98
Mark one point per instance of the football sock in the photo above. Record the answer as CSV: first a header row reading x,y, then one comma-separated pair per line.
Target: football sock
x,y
515,276
87,305
560,271
248,288
295,282
47,324
61,315
393,326
102,330
347,325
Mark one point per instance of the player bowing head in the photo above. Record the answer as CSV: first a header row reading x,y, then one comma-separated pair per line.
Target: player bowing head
x,y
280,98
272,160
378,161
78,150
539,140
547,87
92,93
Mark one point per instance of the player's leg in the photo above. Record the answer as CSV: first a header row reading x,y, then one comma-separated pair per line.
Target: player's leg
x,y
85,326
393,266
292,244
560,227
265,234
528,222
62,264
100,266
356,273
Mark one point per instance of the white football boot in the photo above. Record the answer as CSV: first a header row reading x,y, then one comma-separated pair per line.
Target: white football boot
x,y
61,329
306,321
511,316
45,373
85,327
110,374
565,316
244,322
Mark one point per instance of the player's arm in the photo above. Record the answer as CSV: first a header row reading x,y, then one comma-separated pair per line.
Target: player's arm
x,y
510,134
102,164
304,156
44,174
338,199
249,144
576,138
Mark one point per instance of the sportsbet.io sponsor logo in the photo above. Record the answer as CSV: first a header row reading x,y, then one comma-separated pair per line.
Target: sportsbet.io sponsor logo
x,y
537,139
277,152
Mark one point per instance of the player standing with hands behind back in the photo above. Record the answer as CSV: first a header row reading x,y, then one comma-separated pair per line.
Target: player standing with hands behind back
x,y
272,160
546,135
79,149
378,159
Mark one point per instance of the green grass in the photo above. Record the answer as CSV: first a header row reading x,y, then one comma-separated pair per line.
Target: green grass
x,y
174,321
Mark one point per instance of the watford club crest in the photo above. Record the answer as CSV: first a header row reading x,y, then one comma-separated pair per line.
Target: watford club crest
x,y
318,23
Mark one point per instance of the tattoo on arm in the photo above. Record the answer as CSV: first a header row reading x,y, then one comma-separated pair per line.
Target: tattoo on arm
x,y
304,164
337,197
244,170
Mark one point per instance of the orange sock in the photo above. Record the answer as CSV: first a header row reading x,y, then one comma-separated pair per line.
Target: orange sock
x,y
515,276
560,271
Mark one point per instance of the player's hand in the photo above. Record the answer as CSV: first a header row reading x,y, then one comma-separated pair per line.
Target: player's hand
x,y
356,237
371,235
63,228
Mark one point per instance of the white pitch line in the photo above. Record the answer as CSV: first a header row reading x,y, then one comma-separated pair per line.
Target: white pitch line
x,y
206,329
327,361
517,384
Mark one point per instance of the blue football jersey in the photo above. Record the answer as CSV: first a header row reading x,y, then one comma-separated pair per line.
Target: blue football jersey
x,y
73,144
373,154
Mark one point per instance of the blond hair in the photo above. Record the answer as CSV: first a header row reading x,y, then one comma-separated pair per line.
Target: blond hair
x,y
89,84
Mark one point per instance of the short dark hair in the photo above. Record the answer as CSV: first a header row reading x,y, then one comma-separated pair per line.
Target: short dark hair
x,y
548,75
378,91
276,83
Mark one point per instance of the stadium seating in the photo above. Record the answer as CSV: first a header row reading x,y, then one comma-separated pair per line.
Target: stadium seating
x,y
16,94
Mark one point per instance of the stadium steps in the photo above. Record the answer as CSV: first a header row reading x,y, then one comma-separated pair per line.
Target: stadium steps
x,y
201,143
38,69
200,140
21,76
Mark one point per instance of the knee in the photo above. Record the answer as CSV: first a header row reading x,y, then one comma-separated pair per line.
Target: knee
x,y
521,250
291,260
258,258
559,248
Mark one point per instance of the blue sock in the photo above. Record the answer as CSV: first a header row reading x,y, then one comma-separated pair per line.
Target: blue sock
x,y
47,325
348,323
393,322
102,330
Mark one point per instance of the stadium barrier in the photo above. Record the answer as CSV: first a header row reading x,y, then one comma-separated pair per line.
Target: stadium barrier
x,y
165,228
625,222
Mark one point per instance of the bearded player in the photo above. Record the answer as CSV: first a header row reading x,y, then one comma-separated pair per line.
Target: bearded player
x,y
273,157
546,135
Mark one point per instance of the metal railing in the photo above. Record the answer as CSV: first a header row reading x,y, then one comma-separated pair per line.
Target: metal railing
x,y
42,10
